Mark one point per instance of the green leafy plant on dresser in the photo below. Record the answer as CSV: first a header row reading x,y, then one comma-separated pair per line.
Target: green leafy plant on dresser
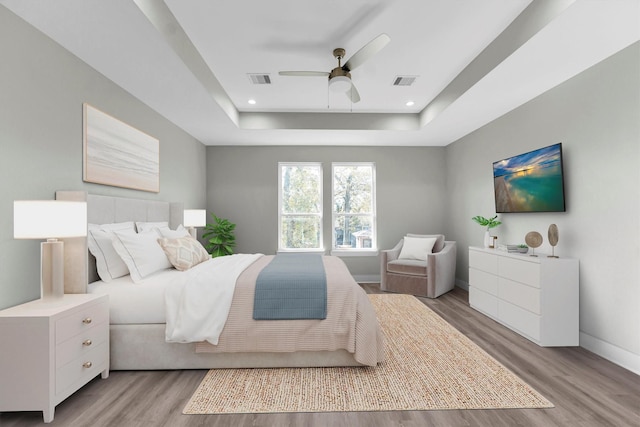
x,y
487,222
220,236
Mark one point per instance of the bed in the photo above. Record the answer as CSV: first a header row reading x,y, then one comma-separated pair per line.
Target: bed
x,y
349,336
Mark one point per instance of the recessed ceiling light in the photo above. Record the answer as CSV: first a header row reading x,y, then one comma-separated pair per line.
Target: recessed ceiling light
x,y
252,101
409,103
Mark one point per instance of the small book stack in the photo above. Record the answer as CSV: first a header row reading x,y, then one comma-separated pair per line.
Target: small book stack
x,y
508,248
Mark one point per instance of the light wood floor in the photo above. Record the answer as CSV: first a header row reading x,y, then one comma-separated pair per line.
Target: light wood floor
x,y
586,390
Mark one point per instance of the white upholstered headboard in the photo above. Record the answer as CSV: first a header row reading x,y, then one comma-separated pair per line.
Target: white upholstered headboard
x,y
80,268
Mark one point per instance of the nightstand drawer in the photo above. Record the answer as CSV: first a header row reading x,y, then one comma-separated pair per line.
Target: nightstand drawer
x,y
83,368
81,344
81,320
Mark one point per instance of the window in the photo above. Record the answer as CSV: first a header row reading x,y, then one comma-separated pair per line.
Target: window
x,y
354,207
300,206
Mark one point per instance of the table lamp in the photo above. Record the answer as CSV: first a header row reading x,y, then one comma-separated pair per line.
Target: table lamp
x,y
51,220
194,218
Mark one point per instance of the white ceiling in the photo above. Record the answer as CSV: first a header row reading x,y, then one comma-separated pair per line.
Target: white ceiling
x,y
205,90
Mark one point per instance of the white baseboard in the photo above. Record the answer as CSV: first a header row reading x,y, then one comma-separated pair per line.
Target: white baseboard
x,y
367,278
612,353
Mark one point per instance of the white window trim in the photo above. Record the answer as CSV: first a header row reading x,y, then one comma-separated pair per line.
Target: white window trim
x,y
353,252
321,249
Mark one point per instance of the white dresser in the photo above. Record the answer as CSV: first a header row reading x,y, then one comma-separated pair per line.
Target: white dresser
x,y
51,349
538,297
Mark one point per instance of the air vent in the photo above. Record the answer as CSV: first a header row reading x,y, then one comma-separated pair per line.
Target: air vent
x,y
404,80
260,79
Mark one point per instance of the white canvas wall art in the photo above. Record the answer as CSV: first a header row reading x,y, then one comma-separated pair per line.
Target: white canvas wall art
x,y
118,154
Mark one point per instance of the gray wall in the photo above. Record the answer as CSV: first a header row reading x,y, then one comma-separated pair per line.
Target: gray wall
x,y
596,116
242,186
42,89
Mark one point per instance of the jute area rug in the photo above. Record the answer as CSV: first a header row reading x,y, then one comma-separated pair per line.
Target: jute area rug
x,y
429,366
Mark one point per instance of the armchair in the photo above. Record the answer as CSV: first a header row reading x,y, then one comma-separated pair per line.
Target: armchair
x,y
429,277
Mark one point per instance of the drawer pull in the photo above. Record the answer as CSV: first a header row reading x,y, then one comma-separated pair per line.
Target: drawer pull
x,y
86,320
86,343
87,364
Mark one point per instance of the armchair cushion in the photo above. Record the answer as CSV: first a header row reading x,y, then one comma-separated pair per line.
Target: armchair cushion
x,y
408,266
417,248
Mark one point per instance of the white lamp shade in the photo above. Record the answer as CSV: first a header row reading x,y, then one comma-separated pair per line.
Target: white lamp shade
x,y
44,219
340,84
195,218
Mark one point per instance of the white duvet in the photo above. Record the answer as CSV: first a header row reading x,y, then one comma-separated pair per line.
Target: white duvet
x,y
197,305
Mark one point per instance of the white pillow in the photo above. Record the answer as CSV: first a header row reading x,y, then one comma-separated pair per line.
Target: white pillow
x,y
108,263
146,226
141,252
174,234
417,248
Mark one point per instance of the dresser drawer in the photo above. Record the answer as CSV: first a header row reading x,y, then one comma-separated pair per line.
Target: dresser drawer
x,y
519,319
483,261
523,296
83,368
81,320
519,270
484,281
82,343
483,301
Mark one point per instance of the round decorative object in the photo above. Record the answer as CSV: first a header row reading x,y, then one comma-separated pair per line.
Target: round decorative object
x,y
553,239
533,239
553,234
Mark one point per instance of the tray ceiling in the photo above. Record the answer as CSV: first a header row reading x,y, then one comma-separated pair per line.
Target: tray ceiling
x,y
197,62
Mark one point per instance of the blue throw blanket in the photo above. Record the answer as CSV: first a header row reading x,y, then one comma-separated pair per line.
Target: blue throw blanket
x,y
291,286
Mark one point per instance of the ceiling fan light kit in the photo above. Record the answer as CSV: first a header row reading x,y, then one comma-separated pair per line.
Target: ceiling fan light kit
x,y
340,77
340,84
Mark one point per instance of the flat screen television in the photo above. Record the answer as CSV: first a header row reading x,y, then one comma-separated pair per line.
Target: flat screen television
x,y
530,182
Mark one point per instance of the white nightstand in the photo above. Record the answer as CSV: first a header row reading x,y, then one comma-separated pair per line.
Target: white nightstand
x,y
51,349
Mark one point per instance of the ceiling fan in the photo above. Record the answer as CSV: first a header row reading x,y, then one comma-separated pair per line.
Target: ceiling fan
x,y
340,77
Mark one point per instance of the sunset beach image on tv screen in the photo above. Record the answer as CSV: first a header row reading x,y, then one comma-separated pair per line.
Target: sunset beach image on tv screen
x,y
530,182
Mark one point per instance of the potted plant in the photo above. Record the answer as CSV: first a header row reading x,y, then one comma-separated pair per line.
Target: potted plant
x,y
523,249
489,223
220,236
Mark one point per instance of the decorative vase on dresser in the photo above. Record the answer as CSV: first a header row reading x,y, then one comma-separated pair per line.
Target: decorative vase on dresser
x,y
487,238
537,297
51,349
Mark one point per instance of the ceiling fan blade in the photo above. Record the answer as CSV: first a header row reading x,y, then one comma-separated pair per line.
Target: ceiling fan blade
x,y
353,94
304,73
367,51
